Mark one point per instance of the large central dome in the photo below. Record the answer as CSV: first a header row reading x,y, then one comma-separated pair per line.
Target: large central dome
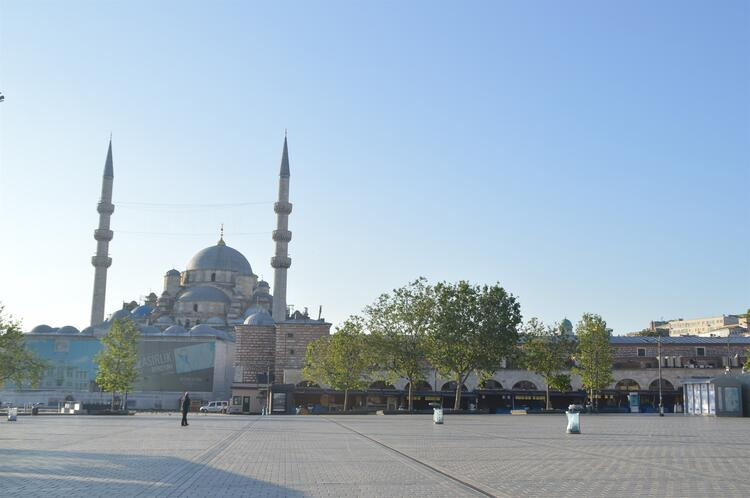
x,y
220,257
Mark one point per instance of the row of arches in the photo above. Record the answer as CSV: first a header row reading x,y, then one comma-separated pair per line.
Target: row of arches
x,y
631,385
491,384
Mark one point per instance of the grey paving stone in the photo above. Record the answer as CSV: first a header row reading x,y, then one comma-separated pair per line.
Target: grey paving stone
x,y
374,456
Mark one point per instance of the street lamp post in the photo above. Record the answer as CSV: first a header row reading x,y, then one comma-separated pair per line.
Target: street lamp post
x,y
658,346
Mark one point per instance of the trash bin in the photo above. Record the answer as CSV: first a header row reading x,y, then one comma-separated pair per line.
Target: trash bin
x,y
35,410
574,422
12,414
437,415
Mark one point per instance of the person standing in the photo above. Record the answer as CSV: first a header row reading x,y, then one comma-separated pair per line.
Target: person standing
x,y
185,408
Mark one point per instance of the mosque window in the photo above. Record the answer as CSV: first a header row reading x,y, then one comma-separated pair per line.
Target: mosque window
x,y
290,334
213,277
195,307
291,351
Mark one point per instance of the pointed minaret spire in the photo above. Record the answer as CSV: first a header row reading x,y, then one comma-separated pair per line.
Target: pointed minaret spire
x,y
284,160
103,235
281,260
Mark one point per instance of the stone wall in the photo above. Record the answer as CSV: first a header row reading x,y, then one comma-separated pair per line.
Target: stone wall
x,y
291,344
255,352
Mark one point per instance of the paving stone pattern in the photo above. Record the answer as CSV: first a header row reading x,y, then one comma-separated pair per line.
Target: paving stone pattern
x,y
374,456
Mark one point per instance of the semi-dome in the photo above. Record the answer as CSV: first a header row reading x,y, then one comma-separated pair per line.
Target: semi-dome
x,y
261,318
220,257
42,329
176,330
87,331
142,311
164,320
204,293
252,310
68,329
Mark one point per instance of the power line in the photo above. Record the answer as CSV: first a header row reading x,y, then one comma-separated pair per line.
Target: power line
x,y
189,234
159,205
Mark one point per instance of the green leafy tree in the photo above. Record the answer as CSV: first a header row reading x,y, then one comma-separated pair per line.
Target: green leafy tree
x,y
648,333
17,363
117,361
594,354
341,360
472,329
547,350
398,324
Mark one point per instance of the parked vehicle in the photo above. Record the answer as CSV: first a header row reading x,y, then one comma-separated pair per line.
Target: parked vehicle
x,y
215,407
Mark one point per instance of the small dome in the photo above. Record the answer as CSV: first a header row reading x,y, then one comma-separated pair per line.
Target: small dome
x,y
261,318
176,330
164,320
68,329
149,330
263,283
42,329
252,310
215,320
172,273
204,293
87,331
220,257
119,315
204,330
142,311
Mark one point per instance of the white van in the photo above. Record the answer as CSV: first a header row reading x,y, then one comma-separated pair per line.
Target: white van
x,y
215,407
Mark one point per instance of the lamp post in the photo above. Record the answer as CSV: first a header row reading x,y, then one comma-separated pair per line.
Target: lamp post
x,y
658,346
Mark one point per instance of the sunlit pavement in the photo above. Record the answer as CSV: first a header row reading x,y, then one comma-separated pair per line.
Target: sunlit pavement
x,y
378,456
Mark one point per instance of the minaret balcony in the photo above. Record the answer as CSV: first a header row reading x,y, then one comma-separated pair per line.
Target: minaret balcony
x,y
101,261
282,207
281,262
105,207
103,234
281,235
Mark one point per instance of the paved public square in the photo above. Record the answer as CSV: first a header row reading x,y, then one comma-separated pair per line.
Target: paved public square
x,y
377,456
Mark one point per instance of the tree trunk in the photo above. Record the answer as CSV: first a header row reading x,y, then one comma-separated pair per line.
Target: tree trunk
x,y
457,402
112,405
411,402
549,405
346,398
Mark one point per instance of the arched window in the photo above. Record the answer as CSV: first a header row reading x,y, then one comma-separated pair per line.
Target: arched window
x,y
525,385
419,386
665,385
379,384
451,386
213,277
628,385
491,384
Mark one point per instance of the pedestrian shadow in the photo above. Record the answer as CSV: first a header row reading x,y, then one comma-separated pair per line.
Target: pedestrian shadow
x,y
75,473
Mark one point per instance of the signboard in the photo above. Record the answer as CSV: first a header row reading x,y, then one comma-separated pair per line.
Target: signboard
x,y
175,366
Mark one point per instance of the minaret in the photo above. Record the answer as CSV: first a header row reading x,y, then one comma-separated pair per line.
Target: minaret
x,y
103,235
281,261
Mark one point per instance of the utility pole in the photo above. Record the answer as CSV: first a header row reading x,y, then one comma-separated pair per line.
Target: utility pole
x,y
658,356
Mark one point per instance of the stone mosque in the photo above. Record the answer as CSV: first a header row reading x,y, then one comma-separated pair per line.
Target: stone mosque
x,y
251,340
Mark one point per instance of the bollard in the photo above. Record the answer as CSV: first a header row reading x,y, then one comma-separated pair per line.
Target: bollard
x,y
574,422
437,415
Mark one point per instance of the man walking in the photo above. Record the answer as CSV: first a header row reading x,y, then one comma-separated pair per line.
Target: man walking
x,y
185,408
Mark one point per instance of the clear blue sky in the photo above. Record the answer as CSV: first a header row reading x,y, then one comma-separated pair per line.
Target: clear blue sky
x,y
589,156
